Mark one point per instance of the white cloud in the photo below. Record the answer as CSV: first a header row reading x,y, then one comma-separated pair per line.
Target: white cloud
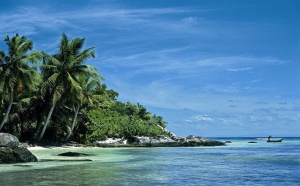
x,y
46,17
205,118
190,20
239,69
176,61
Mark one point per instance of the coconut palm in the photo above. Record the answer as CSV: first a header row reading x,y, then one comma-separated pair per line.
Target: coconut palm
x,y
16,73
60,72
88,97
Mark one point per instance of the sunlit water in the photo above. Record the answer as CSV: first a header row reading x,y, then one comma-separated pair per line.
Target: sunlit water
x,y
238,163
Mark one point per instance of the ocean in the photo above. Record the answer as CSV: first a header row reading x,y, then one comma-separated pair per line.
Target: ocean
x,y
237,163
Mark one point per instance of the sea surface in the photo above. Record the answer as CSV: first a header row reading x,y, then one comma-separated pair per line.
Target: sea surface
x,y
237,163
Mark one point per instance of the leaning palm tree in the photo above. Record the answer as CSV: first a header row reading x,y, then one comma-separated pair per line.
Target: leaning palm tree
x,y
60,71
16,73
88,96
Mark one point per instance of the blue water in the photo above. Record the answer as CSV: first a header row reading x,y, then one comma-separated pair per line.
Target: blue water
x,y
238,163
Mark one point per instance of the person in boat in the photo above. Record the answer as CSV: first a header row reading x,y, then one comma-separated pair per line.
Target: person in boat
x,y
269,138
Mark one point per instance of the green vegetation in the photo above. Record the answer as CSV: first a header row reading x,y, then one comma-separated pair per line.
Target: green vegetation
x,y
56,98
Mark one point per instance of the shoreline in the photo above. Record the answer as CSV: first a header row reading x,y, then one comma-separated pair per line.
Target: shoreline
x,y
36,148
136,141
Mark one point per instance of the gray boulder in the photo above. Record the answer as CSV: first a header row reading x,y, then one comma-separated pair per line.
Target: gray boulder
x,y
154,141
8,140
11,153
16,155
192,141
163,141
174,141
111,142
139,141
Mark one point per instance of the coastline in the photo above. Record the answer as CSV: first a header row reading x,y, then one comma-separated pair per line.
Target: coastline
x,y
36,148
136,142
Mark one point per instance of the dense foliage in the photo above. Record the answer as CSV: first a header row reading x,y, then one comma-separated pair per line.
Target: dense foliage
x,y
59,98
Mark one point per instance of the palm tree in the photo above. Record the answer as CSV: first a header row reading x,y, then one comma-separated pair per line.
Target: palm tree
x,y
88,97
60,71
17,75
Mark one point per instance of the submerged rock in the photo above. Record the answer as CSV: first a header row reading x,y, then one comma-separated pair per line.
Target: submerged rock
x,y
73,154
20,165
64,160
252,142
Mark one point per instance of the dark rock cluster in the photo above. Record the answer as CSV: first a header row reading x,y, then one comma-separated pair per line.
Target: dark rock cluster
x,y
159,141
10,152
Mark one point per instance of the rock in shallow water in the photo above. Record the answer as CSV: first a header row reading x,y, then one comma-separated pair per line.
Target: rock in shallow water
x,y
16,155
73,154
11,153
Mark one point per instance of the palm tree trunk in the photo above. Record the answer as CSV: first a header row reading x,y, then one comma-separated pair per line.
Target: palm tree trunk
x,y
73,124
38,128
46,123
7,111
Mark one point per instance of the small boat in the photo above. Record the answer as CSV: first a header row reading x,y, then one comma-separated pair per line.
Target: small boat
x,y
275,140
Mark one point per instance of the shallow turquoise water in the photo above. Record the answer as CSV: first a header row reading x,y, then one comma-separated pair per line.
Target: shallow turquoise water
x,y
238,163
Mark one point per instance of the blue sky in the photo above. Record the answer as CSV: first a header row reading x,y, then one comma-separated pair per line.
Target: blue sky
x,y
210,68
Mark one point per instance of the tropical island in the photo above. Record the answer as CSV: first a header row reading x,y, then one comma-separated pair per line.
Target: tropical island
x,y
52,99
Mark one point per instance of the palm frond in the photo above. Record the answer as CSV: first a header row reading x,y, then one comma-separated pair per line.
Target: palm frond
x,y
84,55
49,84
74,85
76,45
57,94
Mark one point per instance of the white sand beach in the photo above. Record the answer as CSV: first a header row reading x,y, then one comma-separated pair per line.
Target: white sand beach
x,y
52,147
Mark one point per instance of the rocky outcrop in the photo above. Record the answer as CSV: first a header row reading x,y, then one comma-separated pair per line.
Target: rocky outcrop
x,y
155,141
11,153
159,141
199,141
112,142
